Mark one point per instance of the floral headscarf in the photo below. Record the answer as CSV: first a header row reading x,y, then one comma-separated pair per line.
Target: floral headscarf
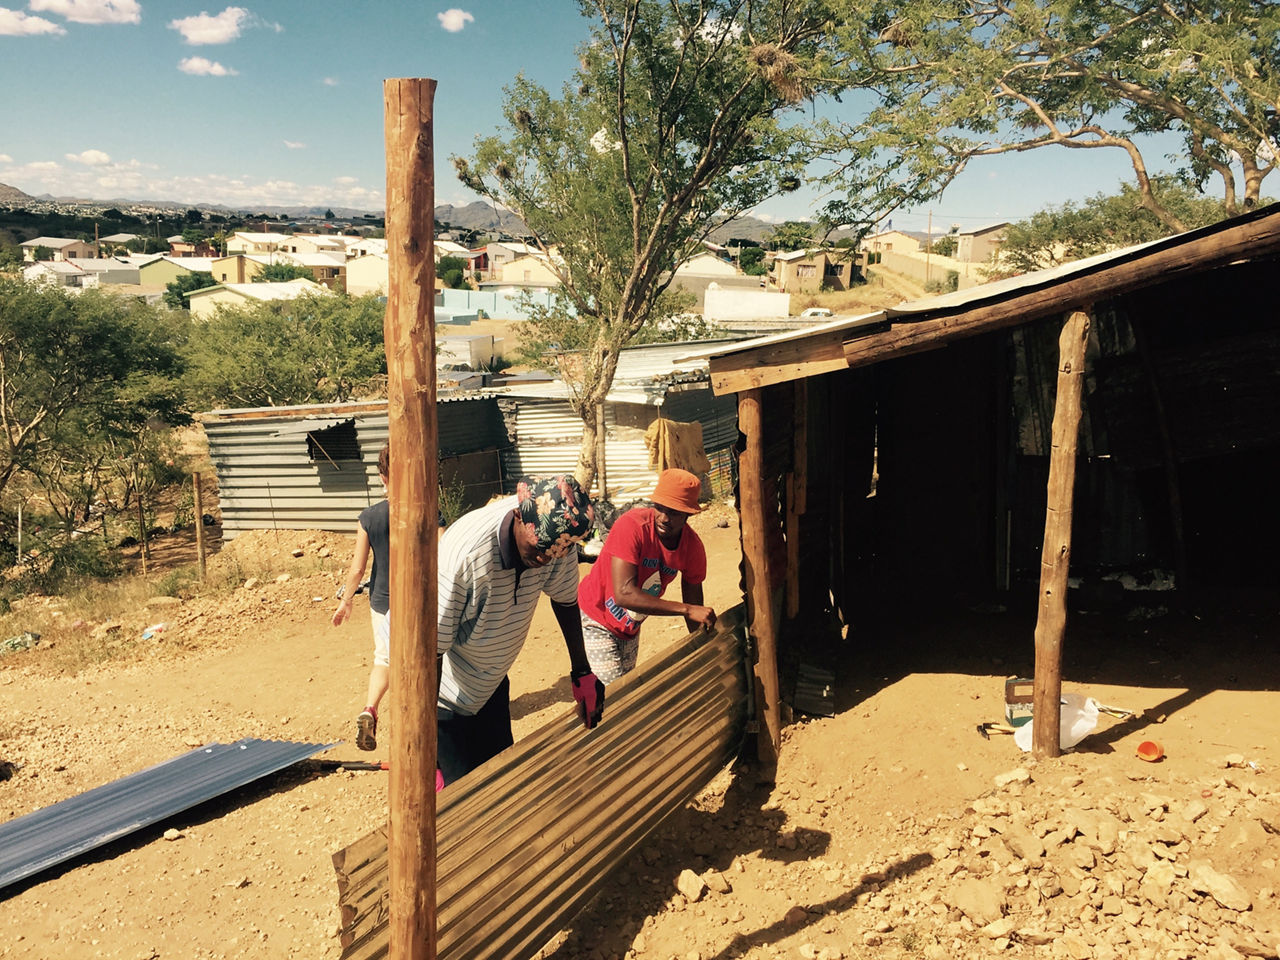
x,y
556,510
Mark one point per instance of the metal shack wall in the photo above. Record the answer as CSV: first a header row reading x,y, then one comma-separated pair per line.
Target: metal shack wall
x,y
266,479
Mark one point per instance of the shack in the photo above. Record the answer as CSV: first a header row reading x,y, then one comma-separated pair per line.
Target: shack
x,y
316,467
900,462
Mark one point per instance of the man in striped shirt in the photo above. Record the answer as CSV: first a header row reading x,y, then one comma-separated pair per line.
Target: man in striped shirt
x,y
495,562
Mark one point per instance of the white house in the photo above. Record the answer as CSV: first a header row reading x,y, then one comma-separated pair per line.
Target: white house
x,y
205,303
62,248
243,242
368,274
56,273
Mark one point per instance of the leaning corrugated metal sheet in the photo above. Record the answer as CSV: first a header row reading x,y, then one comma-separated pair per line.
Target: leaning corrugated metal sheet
x,y
67,829
526,840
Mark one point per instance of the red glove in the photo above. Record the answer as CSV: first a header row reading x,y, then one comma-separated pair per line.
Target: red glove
x,y
439,780
588,691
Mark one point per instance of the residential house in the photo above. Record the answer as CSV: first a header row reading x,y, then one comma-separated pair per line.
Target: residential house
x,y
327,268
368,274
181,248
981,245
164,270
205,303
500,252
263,243
54,273
238,267
317,243
108,270
364,246
530,270
707,265
116,242
61,248
890,241
808,271
447,248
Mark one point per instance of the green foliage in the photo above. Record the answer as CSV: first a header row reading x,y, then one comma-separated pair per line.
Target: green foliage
x,y
194,236
955,82
945,246
193,216
283,272
751,260
669,128
452,271
1104,222
792,235
197,280
70,562
42,252
317,348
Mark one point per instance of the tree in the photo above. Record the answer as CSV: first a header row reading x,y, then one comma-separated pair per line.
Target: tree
x,y
193,216
670,127
77,372
328,214
791,235
196,280
281,272
751,260
452,271
962,81
945,246
194,236
317,348
1060,234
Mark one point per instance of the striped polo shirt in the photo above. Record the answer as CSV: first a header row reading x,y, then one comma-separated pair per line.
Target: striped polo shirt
x,y
484,615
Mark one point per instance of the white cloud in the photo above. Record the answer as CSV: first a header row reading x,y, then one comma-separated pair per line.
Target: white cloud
x,y
295,145
454,19
330,81
346,181
5,158
200,67
15,23
91,11
204,29
90,158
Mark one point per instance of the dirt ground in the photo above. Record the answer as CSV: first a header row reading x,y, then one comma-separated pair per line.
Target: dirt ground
x,y
893,829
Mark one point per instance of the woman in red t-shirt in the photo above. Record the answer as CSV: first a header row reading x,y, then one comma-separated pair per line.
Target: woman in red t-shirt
x,y
645,549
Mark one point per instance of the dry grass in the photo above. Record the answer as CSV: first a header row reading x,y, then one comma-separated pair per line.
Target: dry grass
x,y
880,291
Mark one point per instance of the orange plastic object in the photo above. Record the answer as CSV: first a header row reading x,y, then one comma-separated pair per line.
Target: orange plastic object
x,y
1150,750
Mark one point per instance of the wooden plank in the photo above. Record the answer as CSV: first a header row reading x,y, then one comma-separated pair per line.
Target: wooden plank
x,y
797,483
778,363
1055,558
762,623
1255,238
409,330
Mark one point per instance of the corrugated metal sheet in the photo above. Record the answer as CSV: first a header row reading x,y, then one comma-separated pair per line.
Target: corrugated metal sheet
x,y
266,479
548,434
67,829
526,840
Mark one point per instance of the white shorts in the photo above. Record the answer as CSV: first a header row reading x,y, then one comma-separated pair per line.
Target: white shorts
x,y
381,638
610,655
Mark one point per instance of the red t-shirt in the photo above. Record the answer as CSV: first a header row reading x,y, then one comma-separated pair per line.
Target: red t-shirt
x,y
634,538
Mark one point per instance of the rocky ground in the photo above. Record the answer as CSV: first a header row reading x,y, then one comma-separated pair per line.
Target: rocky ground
x,y
892,829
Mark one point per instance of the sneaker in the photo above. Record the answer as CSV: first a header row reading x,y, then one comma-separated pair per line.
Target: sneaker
x,y
366,731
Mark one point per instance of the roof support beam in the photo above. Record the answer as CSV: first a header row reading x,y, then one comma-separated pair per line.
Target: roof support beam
x,y
1250,240
1055,557
778,362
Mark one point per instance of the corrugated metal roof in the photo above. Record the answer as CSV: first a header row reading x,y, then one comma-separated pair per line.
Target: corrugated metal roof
x,y
527,839
67,829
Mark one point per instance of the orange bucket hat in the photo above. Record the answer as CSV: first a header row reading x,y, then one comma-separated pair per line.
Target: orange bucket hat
x,y
679,490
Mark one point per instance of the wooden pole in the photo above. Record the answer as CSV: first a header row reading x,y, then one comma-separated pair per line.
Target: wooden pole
x,y
409,330
1055,558
797,489
759,581
198,501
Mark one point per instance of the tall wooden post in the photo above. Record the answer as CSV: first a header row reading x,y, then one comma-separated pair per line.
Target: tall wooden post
x,y
1055,558
797,494
197,501
755,555
409,330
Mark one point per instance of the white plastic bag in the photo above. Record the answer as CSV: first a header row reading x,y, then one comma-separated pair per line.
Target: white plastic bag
x,y
1079,717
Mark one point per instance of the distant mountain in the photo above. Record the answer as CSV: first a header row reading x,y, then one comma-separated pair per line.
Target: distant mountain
x,y
480,216
10,194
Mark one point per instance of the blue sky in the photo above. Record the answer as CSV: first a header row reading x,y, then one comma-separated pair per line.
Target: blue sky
x,y
280,102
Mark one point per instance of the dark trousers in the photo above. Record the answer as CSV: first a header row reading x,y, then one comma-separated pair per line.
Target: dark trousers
x,y
463,743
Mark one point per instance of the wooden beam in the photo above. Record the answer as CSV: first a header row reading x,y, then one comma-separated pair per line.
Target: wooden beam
x,y
761,624
1254,238
1055,558
778,362
797,491
197,500
409,330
